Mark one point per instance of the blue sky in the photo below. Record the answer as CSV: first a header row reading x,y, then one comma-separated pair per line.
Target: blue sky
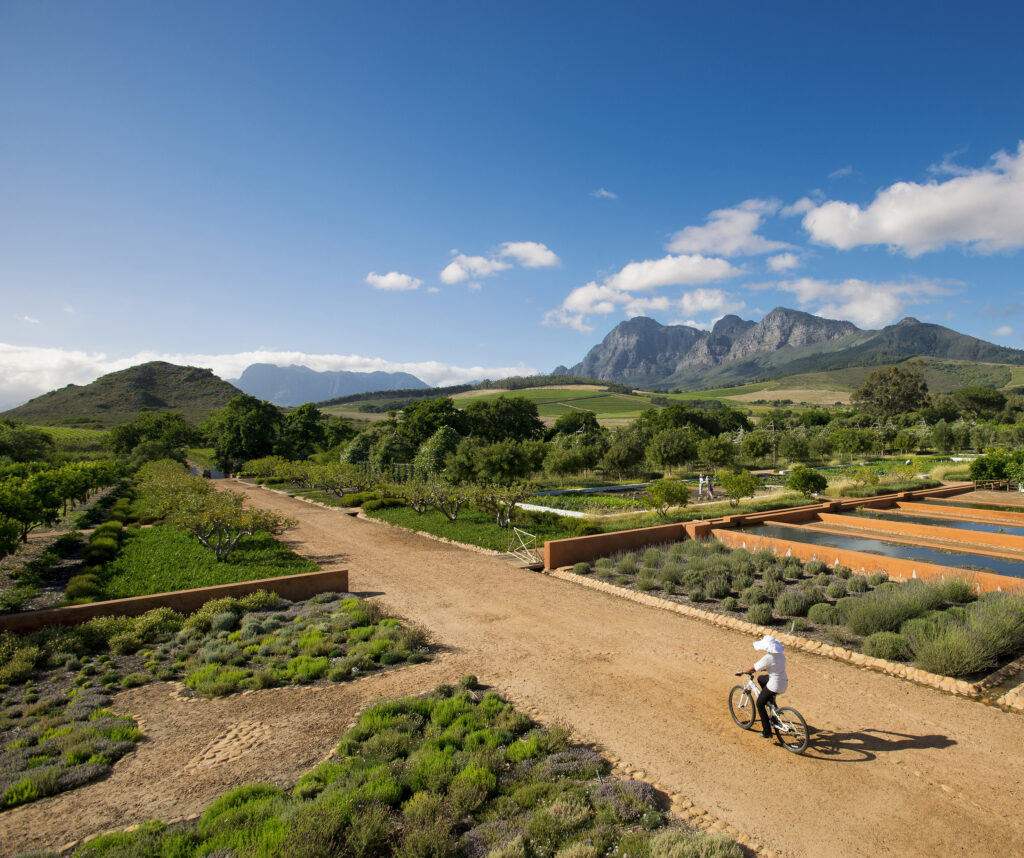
x,y
463,189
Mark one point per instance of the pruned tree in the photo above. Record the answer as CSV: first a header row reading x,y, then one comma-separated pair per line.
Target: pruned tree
x,y
218,519
501,501
806,481
738,485
665,494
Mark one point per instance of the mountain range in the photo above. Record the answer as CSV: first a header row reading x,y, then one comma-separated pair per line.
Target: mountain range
x,y
645,353
295,385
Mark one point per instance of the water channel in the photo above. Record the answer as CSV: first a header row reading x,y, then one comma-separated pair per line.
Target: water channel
x,y
959,559
936,521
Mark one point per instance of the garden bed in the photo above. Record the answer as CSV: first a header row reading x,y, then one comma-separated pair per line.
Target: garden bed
x,y
942,628
453,773
55,683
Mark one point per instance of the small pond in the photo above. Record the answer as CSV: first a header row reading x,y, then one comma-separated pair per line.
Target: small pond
x,y
959,559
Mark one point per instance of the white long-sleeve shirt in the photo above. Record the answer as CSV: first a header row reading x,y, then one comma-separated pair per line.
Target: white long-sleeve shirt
x,y
775,665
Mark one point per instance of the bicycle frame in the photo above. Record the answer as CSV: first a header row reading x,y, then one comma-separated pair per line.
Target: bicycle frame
x,y
788,724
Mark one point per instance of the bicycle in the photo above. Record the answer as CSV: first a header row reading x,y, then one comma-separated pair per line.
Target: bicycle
x,y
788,724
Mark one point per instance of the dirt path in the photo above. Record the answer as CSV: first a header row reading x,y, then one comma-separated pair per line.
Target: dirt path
x,y
895,769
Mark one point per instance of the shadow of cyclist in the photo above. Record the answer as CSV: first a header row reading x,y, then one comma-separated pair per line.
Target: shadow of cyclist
x,y
860,746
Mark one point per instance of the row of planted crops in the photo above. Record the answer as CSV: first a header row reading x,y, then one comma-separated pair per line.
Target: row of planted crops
x,y
943,627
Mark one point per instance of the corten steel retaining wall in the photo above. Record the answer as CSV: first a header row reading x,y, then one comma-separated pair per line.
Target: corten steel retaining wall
x,y
926,531
294,587
566,552
861,561
994,516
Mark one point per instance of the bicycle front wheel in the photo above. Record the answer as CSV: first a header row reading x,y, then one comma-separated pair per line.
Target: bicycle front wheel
x,y
791,729
741,706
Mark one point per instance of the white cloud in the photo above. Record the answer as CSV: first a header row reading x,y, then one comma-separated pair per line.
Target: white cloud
x,y
433,290
530,254
1002,331
474,286
29,319
603,194
393,281
866,304
980,209
783,262
618,290
729,232
27,371
841,172
69,309
463,267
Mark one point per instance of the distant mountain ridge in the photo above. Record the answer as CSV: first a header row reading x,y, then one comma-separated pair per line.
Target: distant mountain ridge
x,y
643,352
295,385
118,397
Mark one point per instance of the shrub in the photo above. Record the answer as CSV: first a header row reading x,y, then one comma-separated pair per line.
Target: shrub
x,y
673,844
792,603
581,568
696,594
958,591
823,614
753,596
718,587
836,590
626,565
857,584
759,615
728,604
877,578
85,586
842,571
886,610
742,580
815,567
888,645
652,557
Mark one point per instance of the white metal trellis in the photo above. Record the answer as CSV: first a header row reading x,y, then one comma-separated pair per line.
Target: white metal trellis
x,y
523,545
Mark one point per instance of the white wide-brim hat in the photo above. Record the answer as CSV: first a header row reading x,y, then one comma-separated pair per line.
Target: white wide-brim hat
x,y
768,644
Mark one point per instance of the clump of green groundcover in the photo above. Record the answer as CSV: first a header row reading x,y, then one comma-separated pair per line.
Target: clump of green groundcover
x,y
271,642
435,776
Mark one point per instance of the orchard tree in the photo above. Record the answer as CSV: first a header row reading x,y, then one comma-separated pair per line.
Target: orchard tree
x,y
672,447
219,520
423,419
668,493
893,391
806,481
573,422
756,446
24,443
716,451
738,485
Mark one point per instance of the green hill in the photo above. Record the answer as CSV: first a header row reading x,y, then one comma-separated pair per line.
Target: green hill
x,y
118,397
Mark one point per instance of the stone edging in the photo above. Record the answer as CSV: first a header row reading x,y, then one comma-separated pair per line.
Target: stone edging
x,y
948,684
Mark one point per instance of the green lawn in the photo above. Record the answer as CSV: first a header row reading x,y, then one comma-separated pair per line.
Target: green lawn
x,y
161,559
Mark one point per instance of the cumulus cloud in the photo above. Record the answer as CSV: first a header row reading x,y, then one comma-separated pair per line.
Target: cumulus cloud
x,y
783,262
393,281
604,194
618,291
866,304
729,232
463,267
530,254
1002,331
979,209
27,371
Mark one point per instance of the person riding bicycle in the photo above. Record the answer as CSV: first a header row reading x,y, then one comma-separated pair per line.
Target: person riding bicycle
x,y
774,662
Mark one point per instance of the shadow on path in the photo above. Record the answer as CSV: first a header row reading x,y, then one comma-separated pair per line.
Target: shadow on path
x,y
861,746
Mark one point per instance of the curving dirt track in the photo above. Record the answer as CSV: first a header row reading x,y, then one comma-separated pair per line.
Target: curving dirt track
x,y
894,769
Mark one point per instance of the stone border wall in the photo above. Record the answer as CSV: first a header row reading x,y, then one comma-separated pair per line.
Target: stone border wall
x,y
974,691
294,587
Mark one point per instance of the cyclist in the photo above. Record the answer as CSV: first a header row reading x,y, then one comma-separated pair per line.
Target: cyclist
x,y
774,662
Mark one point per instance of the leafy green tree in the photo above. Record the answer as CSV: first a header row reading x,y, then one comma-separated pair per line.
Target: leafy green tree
x,y
793,446
893,390
167,430
507,418
10,535
979,402
501,501
572,422
431,456
219,520
422,420
738,485
716,451
303,431
668,493
756,446
626,451
24,443
806,481
672,447
247,428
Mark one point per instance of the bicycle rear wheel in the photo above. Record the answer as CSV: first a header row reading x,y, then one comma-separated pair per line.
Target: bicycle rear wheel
x,y
741,706
791,729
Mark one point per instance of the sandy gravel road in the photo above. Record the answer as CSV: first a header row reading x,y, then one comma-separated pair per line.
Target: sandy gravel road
x,y
895,769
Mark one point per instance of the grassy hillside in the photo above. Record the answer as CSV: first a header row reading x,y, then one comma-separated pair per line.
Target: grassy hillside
x,y
119,396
